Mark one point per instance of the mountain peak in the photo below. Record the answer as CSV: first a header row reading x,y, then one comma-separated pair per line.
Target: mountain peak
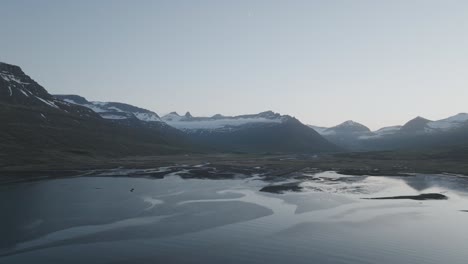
x,y
417,124
72,98
268,114
217,116
419,119
18,88
188,115
346,128
349,123
13,69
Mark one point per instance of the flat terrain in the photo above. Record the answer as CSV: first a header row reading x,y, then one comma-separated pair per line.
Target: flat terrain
x,y
231,164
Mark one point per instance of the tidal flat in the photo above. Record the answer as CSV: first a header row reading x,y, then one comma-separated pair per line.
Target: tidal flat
x,y
173,215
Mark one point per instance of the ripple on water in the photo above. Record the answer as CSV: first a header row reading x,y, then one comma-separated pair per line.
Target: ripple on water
x,y
194,221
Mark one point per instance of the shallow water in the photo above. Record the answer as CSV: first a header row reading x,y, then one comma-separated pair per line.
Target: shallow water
x,y
174,220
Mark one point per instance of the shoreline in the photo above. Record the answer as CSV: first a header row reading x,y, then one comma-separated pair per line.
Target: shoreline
x,y
226,166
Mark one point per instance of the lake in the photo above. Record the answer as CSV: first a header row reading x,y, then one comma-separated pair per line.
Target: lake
x,y
175,220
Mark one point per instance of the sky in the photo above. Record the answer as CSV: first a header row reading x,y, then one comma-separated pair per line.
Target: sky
x,y
376,62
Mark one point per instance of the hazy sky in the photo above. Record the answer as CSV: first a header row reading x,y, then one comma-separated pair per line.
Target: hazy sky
x,y
376,62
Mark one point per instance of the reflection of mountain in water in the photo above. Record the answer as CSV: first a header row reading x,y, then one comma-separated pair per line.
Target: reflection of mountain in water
x,y
424,182
418,183
331,182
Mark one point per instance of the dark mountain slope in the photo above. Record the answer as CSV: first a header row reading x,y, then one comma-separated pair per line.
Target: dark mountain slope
x,y
39,127
415,125
346,135
263,132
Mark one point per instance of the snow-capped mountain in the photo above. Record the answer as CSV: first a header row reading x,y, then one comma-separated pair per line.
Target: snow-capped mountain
x,y
263,132
112,110
421,125
384,131
72,122
346,134
18,88
418,131
387,130
34,123
219,122
347,127
418,125
447,124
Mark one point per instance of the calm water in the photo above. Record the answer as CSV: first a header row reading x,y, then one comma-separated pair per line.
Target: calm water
x,y
171,220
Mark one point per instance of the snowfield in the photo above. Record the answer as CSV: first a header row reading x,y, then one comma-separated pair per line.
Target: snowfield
x,y
188,122
218,123
448,123
109,111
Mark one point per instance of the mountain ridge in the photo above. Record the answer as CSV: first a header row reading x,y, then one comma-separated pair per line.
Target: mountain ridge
x,y
417,132
112,110
266,131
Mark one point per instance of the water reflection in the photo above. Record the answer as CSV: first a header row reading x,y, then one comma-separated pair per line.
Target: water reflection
x,y
231,221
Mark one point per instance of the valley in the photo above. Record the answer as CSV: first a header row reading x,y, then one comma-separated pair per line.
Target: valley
x,y
67,135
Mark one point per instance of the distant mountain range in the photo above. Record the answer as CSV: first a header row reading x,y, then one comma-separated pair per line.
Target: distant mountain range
x,y
418,132
266,132
263,132
35,122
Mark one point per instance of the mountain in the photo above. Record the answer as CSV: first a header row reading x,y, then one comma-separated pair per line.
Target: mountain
x,y
416,125
17,88
45,128
450,123
387,131
318,129
218,122
421,133
345,128
263,132
112,110
346,135
423,126
38,127
416,133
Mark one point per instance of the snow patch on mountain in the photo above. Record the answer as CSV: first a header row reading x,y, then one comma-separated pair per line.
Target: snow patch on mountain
x,y
348,127
109,110
11,78
95,107
218,123
112,116
47,102
188,122
147,117
448,123
385,131
23,92
172,117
